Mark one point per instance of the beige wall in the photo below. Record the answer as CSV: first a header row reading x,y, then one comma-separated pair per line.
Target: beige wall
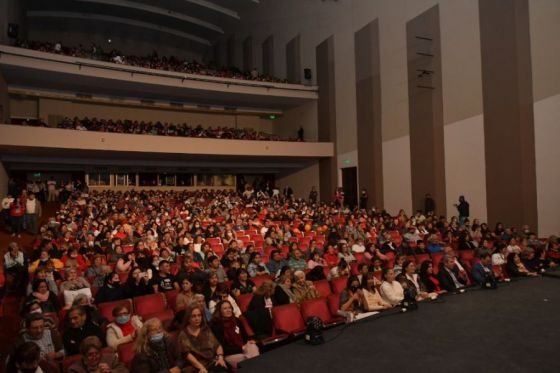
x,y
24,107
301,181
545,58
304,116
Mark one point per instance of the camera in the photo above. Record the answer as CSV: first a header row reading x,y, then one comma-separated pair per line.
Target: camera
x,y
354,289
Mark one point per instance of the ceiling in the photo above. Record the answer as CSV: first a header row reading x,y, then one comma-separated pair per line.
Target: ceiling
x,y
192,24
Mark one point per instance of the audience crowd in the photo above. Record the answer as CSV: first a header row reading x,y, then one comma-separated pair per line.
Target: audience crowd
x,y
153,61
198,281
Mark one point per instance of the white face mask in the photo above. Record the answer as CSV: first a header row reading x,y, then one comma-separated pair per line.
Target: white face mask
x,y
38,310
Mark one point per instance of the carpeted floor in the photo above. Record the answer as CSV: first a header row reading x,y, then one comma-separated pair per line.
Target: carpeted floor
x,y
512,329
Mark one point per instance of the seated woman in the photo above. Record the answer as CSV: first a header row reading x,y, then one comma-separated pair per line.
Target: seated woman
x,y
256,266
155,351
412,281
73,259
47,299
340,270
372,298
124,328
391,290
126,263
41,274
93,360
303,290
138,284
297,262
223,295
283,293
72,285
259,311
232,335
198,344
352,303
429,279
185,297
96,273
112,290
315,260
345,254
516,268
243,284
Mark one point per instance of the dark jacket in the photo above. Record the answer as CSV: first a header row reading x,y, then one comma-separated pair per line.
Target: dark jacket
x,y
110,294
446,281
110,359
150,363
481,276
229,349
74,336
259,317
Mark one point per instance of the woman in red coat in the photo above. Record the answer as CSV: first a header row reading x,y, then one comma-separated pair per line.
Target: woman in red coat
x,y
17,211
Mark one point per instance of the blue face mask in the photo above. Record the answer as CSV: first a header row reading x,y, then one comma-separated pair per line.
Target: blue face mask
x,y
122,319
157,338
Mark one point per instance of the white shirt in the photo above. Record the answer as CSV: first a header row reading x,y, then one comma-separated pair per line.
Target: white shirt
x,y
392,292
30,206
6,202
498,259
358,248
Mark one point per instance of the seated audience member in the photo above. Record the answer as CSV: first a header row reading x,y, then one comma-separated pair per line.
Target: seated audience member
x,y
516,268
92,312
75,260
210,288
259,311
124,328
93,360
73,285
412,280
163,281
48,339
302,289
27,358
513,247
297,262
214,267
448,275
200,301
45,257
500,255
48,300
222,295
155,351
531,261
372,298
15,268
283,293
231,334
276,263
256,267
185,296
198,344
315,260
112,290
41,274
243,284
352,301
482,272
340,270
79,328
345,254
137,284
97,272
429,279
398,267
331,256
126,263
391,290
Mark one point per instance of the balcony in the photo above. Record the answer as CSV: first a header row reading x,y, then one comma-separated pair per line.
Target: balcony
x,y
26,68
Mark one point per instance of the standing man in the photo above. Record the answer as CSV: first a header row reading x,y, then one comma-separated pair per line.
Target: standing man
x,y
313,195
6,203
51,188
32,214
363,199
429,205
464,210
300,133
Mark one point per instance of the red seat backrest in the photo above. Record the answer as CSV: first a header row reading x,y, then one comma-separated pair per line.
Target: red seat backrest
x,y
243,301
258,280
323,287
126,353
420,258
316,307
106,309
466,255
170,298
436,259
287,319
333,302
339,284
149,304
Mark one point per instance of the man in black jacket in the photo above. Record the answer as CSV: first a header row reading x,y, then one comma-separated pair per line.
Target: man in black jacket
x,y
449,277
80,328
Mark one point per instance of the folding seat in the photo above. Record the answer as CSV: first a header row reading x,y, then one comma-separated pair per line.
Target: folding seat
x,y
243,238
339,284
412,258
319,307
251,232
258,280
256,237
323,287
287,319
123,277
420,258
354,268
149,305
106,309
378,275
213,240
126,353
359,257
218,249
243,301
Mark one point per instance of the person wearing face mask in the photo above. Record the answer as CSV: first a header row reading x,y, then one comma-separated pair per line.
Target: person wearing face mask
x,y
155,351
78,329
112,290
93,360
125,327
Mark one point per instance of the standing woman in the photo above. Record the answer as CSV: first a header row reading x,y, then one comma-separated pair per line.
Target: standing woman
x,y
232,335
198,344
17,211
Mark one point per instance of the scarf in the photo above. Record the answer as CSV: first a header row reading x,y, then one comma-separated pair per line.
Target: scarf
x,y
127,328
232,333
41,297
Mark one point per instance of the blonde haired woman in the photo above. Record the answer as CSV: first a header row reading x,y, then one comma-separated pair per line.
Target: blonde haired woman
x,y
154,350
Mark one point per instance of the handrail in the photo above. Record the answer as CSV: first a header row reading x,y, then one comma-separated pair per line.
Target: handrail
x,y
141,70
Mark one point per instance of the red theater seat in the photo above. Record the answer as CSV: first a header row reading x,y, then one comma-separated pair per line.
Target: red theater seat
x,y
339,284
287,319
243,301
320,308
126,353
106,309
148,305
323,287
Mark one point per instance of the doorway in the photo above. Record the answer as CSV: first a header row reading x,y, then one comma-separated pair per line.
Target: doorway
x,y
350,186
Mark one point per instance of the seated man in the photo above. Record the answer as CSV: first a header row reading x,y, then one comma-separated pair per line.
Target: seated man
x,y
449,277
15,267
48,340
163,281
303,289
80,328
482,272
